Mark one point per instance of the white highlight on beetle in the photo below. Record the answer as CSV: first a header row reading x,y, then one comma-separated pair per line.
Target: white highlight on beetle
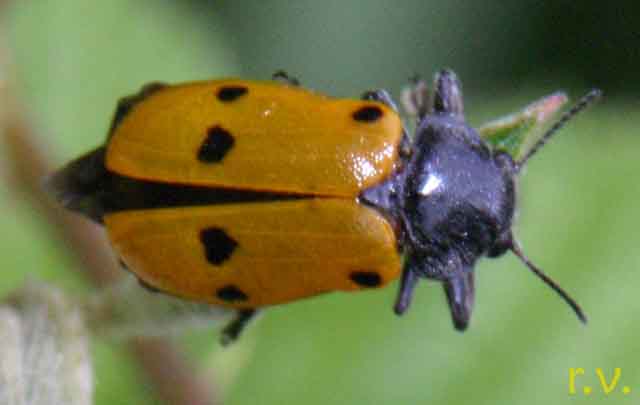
x,y
431,185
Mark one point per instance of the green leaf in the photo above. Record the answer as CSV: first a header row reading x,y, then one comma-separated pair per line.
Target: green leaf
x,y
517,132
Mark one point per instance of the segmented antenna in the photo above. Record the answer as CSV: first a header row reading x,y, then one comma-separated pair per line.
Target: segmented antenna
x,y
583,103
515,248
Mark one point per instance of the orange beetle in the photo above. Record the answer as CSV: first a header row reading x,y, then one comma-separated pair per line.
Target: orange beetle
x,y
247,194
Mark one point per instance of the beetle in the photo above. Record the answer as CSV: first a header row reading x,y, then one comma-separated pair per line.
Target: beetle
x,y
247,194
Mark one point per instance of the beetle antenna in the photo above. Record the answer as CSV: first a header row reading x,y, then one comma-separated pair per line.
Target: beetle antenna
x,y
583,103
517,250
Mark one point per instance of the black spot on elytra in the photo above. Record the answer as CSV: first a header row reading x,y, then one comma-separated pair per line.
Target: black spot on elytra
x,y
216,145
218,246
231,293
369,113
366,278
230,93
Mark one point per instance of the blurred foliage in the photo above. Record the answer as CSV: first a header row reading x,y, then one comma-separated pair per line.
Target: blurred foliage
x,y
349,46
579,216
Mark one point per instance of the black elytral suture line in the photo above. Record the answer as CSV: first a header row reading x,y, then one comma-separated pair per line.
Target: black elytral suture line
x,y
130,194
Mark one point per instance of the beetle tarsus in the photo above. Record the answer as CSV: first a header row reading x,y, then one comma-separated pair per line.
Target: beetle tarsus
x,y
284,77
234,328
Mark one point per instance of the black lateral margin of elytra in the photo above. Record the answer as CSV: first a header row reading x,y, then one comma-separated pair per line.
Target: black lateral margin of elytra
x,y
120,193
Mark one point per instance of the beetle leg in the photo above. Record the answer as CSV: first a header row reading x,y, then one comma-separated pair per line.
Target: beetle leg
x,y
284,78
415,98
407,284
447,94
125,104
460,291
381,96
234,328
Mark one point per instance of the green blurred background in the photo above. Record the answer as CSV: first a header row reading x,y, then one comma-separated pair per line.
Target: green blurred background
x,y
578,220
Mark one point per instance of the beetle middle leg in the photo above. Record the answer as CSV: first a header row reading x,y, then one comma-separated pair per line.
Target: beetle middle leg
x,y
234,328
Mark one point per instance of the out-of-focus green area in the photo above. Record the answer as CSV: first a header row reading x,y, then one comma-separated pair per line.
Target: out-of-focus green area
x,y
579,218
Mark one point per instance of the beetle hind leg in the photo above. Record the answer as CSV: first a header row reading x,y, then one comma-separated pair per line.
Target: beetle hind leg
x,y
234,328
284,78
